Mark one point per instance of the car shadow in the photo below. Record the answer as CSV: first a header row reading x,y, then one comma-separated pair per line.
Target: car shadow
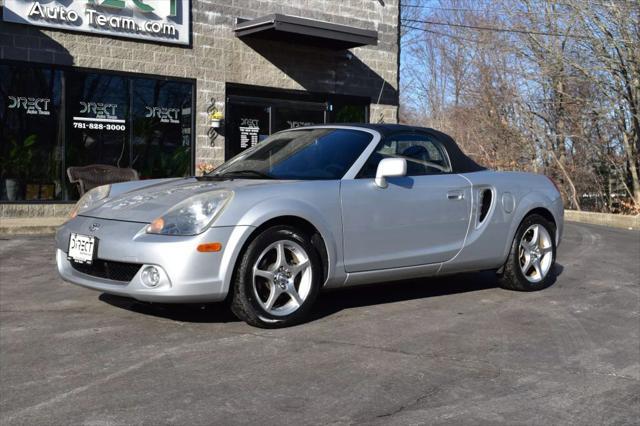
x,y
183,312
334,301
329,302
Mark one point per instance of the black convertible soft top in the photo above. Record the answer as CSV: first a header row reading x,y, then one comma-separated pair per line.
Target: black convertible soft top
x,y
460,163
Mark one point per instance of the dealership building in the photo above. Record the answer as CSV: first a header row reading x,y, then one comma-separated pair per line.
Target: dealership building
x,y
171,87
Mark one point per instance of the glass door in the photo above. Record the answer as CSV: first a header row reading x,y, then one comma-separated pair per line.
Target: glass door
x,y
247,124
253,113
251,120
298,115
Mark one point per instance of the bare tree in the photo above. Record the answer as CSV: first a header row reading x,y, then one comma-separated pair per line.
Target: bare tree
x,y
543,85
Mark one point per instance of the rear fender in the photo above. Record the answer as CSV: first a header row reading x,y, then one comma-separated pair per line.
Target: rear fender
x,y
529,202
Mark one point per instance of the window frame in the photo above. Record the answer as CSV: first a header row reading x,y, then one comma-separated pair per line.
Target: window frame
x,y
394,136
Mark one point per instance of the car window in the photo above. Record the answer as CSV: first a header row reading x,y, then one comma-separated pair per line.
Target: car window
x,y
307,154
424,155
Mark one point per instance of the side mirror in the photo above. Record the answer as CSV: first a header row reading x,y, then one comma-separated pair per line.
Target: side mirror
x,y
390,167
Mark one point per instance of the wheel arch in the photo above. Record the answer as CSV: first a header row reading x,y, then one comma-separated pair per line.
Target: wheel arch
x,y
542,211
320,238
317,240
534,203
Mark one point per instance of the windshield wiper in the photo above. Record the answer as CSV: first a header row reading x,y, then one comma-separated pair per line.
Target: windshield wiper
x,y
213,177
245,173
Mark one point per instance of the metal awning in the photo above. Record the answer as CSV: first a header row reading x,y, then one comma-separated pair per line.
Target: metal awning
x,y
294,29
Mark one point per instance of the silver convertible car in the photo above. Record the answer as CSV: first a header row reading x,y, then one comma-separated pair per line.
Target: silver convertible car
x,y
313,208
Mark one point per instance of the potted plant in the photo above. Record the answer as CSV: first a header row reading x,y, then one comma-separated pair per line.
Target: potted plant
x,y
204,167
216,119
16,165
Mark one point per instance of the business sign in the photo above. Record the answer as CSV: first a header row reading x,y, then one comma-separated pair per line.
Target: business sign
x,y
32,105
166,21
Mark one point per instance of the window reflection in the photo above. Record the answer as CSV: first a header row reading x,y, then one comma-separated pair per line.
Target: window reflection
x,y
30,142
161,117
97,111
247,125
52,119
291,118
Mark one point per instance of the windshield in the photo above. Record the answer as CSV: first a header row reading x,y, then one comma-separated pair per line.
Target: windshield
x,y
306,154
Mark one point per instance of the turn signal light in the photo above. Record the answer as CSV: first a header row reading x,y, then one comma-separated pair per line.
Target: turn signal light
x,y
209,247
156,226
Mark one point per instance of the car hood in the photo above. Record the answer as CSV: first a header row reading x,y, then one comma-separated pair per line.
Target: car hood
x,y
154,199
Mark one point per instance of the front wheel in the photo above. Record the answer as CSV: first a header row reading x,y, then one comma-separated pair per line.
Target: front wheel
x,y
277,280
530,263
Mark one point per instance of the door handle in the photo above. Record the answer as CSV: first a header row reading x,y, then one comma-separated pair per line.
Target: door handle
x,y
455,195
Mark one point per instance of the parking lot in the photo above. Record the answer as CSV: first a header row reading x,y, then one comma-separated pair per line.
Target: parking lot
x,y
447,350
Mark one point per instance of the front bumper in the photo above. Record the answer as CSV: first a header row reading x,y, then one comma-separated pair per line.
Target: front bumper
x,y
186,275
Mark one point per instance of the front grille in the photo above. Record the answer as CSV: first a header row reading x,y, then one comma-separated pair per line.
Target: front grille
x,y
108,269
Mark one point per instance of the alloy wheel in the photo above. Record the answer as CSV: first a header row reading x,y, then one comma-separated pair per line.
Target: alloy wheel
x,y
282,278
535,253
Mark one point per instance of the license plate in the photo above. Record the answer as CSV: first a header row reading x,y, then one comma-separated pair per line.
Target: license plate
x,y
82,248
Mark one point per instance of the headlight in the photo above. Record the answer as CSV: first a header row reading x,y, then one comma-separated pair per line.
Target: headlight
x,y
192,216
89,200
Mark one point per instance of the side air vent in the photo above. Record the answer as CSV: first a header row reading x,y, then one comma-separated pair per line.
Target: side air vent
x,y
485,203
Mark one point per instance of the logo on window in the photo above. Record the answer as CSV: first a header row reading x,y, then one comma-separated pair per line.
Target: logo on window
x,y
35,106
296,124
99,110
249,132
166,115
249,122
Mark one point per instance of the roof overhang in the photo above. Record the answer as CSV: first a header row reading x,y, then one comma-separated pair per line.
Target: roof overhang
x,y
293,29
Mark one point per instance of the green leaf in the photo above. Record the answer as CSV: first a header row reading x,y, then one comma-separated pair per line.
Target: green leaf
x,y
30,140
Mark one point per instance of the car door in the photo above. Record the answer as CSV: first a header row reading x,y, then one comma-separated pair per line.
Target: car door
x,y
418,219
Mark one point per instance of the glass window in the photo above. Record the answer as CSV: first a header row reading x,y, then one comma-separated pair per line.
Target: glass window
x,y
97,116
247,125
252,113
161,117
291,118
52,119
424,155
306,154
349,113
30,135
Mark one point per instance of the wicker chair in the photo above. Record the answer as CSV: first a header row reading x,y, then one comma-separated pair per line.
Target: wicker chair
x,y
89,177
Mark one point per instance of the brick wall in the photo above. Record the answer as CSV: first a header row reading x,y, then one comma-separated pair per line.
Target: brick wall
x,y
217,56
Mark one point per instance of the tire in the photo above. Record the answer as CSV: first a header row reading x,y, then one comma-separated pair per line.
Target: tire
x,y
531,260
277,279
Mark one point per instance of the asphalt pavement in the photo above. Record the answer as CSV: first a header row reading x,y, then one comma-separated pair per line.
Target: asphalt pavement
x,y
452,350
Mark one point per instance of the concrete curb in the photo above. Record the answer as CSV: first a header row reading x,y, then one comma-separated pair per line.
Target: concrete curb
x,y
604,219
30,226
27,230
25,210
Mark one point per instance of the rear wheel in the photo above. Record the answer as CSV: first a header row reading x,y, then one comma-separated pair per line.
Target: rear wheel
x,y
277,280
532,256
